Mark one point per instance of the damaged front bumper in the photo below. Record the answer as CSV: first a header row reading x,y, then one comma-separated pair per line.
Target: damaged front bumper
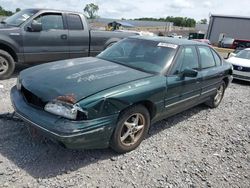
x,y
87,134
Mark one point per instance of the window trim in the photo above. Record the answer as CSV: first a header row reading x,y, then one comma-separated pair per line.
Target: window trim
x,y
214,57
67,17
52,13
197,48
174,66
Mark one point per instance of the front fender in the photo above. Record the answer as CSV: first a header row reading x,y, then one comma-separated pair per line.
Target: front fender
x,y
114,100
11,43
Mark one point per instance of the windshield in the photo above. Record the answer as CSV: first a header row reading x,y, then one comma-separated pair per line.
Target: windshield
x,y
144,55
20,17
245,54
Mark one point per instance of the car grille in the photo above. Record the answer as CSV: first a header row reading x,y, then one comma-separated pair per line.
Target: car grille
x,y
240,68
235,76
32,99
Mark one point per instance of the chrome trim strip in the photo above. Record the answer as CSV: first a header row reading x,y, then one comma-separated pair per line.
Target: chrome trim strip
x,y
184,100
15,34
208,91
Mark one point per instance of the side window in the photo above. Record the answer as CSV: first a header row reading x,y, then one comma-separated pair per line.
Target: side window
x,y
216,58
187,59
74,22
207,59
51,21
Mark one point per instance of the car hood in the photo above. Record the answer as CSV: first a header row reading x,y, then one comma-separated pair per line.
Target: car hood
x,y
239,61
6,26
77,78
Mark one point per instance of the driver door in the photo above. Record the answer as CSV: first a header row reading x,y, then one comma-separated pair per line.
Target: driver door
x,y
49,44
183,92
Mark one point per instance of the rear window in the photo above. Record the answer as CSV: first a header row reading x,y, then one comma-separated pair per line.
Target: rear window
x,y
74,22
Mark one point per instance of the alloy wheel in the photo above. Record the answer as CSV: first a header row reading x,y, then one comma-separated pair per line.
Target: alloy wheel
x,y
219,94
4,65
132,129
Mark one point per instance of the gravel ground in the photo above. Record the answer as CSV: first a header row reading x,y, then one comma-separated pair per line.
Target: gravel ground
x,y
200,147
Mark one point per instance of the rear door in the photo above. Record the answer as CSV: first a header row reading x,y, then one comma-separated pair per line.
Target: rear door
x,y
183,92
78,36
210,69
50,44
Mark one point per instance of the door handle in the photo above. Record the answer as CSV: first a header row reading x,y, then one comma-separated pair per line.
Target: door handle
x,y
64,37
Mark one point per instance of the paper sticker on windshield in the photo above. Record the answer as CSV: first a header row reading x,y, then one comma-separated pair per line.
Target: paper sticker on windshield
x,y
26,16
167,45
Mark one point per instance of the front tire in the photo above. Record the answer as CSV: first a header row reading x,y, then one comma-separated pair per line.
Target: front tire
x,y
216,99
132,127
7,65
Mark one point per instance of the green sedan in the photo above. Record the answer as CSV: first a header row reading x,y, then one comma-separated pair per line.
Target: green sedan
x,y
112,99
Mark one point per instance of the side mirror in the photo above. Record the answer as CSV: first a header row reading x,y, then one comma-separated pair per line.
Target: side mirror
x,y
35,27
190,73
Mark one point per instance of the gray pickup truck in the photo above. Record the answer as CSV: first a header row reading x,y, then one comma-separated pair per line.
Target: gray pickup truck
x,y
34,36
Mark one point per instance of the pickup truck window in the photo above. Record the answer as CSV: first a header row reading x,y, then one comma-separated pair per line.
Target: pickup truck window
x,y
20,17
144,55
207,59
74,22
51,21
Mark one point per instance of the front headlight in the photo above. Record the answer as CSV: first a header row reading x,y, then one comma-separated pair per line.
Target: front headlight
x,y
63,109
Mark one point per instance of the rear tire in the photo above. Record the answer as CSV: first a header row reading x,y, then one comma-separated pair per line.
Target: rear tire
x,y
131,129
7,65
215,100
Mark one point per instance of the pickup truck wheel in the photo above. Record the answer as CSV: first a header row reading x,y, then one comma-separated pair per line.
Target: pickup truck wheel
x,y
216,99
7,65
131,129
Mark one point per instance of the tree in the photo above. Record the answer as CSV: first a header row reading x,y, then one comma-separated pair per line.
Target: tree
x,y
4,12
91,9
18,9
203,21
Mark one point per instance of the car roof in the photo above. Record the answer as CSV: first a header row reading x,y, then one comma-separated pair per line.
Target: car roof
x,y
53,10
171,40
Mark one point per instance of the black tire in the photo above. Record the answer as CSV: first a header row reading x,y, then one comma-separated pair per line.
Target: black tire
x,y
138,111
216,99
7,65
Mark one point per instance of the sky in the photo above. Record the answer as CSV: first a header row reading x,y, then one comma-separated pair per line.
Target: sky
x,y
197,9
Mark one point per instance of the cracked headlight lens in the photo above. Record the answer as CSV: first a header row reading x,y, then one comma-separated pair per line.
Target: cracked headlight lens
x,y
62,109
